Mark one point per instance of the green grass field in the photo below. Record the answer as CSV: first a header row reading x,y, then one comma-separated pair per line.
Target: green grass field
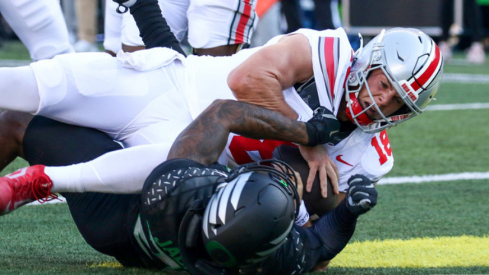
x,y
423,228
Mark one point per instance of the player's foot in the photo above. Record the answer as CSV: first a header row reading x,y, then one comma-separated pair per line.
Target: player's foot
x,y
23,186
476,54
446,50
82,46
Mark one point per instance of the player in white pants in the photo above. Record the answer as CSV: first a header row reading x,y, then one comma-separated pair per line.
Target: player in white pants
x,y
213,27
39,24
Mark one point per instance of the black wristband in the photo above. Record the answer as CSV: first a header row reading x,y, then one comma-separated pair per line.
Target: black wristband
x,y
313,134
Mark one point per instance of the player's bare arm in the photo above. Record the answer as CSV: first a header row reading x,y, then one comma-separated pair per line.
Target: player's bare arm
x,y
262,77
261,80
205,138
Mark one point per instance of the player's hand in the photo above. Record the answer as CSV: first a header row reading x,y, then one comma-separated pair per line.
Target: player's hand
x,y
362,195
323,127
124,5
319,162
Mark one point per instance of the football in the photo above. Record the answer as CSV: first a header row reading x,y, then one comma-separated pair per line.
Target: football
x,y
315,203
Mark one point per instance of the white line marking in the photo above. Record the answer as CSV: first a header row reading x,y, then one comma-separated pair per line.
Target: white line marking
x,y
14,63
384,181
466,78
464,106
433,178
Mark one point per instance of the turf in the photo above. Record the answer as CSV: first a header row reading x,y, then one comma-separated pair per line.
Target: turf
x,y
41,240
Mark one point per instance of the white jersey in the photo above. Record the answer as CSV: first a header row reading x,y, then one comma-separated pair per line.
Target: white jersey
x,y
359,153
207,23
149,97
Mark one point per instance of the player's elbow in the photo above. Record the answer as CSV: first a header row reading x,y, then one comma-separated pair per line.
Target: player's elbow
x,y
239,84
218,105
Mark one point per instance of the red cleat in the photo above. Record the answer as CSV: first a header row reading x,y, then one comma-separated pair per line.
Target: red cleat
x,y
23,186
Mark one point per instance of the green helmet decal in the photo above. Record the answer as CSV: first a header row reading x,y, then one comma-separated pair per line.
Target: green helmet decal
x,y
220,254
284,183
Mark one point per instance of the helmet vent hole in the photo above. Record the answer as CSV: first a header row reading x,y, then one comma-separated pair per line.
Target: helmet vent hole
x,y
419,37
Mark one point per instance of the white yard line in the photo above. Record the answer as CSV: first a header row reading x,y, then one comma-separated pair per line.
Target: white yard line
x,y
466,78
388,180
463,106
14,63
434,178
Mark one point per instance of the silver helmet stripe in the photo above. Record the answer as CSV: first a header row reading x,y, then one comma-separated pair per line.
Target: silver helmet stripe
x,y
213,210
239,187
224,199
232,189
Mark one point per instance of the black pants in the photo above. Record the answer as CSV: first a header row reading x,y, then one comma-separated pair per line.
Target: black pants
x,y
104,220
293,15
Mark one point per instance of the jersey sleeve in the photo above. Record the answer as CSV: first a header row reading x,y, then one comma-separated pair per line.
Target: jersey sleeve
x,y
332,56
303,216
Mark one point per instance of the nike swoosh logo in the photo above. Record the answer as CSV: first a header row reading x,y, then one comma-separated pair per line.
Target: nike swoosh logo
x,y
338,158
333,133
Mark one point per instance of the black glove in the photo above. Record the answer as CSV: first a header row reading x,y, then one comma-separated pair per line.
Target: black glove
x,y
323,128
124,5
362,195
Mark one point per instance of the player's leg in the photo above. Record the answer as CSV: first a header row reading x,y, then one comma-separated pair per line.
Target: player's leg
x,y
12,128
39,24
220,27
103,219
102,104
18,89
119,172
86,17
94,90
327,14
293,14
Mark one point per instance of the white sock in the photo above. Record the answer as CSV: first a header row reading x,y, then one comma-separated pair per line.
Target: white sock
x,y
122,171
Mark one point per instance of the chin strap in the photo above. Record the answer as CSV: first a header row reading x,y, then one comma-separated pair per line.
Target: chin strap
x,y
356,108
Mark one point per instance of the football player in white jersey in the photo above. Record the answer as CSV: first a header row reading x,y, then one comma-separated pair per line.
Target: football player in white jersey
x,y
212,27
144,99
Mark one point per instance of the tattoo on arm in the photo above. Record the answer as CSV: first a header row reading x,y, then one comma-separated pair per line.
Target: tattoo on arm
x,y
205,138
